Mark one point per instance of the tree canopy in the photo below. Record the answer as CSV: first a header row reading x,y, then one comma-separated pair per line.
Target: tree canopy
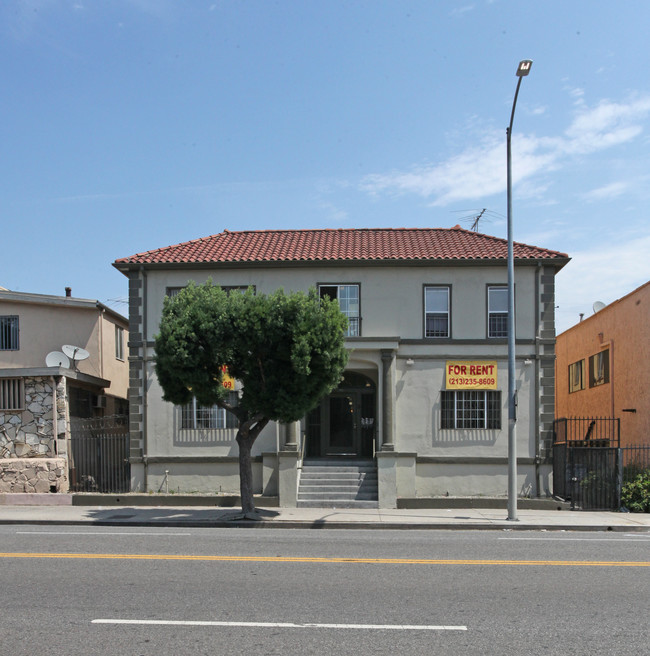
x,y
287,350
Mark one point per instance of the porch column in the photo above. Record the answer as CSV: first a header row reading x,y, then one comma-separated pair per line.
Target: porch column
x,y
388,399
291,436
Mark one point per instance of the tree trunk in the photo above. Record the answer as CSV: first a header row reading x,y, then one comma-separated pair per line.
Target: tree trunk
x,y
245,474
246,436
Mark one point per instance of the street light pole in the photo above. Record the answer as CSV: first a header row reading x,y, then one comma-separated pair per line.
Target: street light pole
x,y
522,70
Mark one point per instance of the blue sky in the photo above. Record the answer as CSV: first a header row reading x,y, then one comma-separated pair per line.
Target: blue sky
x,y
129,125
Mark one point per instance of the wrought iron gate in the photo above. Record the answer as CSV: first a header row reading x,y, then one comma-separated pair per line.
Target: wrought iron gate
x,y
99,455
587,463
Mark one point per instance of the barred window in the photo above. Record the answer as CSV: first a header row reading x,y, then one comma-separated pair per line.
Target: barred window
x,y
12,394
470,409
9,333
195,415
497,311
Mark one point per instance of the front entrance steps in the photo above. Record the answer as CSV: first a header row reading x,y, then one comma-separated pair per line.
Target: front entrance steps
x,y
338,483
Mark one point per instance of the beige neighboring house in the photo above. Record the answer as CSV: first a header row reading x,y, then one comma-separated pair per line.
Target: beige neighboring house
x,y
41,388
424,397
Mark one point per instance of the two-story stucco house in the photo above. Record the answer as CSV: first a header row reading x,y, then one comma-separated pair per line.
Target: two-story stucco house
x,y
426,384
41,388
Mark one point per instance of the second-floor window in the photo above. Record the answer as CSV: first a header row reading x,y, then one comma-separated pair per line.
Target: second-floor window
x,y
497,311
436,311
119,342
174,291
348,298
599,369
8,333
576,376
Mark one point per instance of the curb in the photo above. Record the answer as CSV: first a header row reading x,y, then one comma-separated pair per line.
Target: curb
x,y
318,524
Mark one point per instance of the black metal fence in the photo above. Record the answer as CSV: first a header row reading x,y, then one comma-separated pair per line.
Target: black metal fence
x,y
99,458
589,465
588,431
636,460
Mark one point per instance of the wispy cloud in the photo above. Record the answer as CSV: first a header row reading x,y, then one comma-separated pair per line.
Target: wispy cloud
x,y
612,190
600,274
479,171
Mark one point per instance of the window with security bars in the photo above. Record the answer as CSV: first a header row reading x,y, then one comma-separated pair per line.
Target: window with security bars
x,y
348,298
9,333
436,311
12,394
471,409
195,415
497,311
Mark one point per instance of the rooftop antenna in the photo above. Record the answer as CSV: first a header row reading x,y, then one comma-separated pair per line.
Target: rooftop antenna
x,y
75,353
477,215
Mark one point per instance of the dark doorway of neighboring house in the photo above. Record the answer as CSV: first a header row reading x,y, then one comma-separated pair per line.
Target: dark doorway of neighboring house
x,y
344,423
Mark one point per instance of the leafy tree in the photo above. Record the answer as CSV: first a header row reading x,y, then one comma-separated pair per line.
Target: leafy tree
x,y
287,350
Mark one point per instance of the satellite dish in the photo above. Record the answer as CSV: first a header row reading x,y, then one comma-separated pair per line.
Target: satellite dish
x,y
75,353
598,306
57,359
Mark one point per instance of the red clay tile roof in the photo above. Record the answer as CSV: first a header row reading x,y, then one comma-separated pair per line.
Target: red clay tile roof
x,y
354,245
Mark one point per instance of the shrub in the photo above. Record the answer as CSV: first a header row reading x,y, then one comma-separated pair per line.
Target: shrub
x,y
635,495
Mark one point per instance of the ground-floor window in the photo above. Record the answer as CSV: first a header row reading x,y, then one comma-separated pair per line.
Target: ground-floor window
x,y
12,394
195,415
471,409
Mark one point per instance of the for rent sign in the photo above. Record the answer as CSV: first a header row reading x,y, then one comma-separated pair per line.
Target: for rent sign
x,y
226,379
463,374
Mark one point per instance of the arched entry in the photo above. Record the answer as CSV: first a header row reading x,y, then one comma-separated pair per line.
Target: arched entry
x,y
344,423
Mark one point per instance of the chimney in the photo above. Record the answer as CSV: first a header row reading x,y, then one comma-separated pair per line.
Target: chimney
x,y
68,292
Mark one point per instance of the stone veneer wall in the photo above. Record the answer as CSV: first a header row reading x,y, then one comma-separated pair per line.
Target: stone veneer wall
x,y
32,438
35,475
29,433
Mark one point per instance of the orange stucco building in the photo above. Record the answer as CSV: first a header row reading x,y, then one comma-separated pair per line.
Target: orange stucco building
x,y
603,366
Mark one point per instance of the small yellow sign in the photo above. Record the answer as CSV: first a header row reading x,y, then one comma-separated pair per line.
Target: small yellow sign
x,y
226,379
463,374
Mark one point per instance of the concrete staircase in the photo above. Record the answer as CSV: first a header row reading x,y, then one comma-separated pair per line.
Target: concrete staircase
x,y
338,483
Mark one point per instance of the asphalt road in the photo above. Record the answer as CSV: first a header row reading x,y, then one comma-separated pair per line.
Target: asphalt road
x,y
154,591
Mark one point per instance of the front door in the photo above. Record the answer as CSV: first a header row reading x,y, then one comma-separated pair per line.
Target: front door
x,y
343,435
343,424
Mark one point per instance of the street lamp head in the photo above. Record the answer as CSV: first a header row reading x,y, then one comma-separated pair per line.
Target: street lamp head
x,y
524,67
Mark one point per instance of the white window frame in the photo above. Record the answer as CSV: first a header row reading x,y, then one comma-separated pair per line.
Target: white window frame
x,y
498,315
350,304
195,416
470,409
437,313
119,342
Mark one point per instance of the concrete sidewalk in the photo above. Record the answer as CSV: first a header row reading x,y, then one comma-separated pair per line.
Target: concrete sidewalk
x,y
344,518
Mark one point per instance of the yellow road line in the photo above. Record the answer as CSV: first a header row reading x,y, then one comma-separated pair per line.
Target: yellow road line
x,y
305,559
